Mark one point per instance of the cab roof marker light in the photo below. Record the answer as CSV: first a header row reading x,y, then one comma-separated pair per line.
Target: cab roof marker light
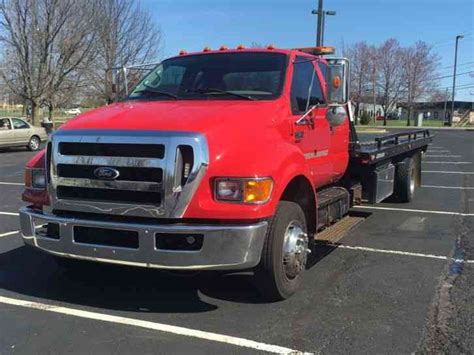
x,y
321,50
270,47
223,48
240,47
206,49
182,52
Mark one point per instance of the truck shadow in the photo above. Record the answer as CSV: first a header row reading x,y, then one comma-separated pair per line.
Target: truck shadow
x,y
28,272
241,287
35,274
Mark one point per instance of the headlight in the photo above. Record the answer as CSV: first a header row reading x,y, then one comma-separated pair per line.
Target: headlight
x,y
244,190
35,178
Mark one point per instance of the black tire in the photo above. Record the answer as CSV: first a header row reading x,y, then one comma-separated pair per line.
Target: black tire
x,y
405,180
271,275
34,143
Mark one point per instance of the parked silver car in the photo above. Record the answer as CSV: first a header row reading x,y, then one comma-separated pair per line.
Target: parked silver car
x,y
16,132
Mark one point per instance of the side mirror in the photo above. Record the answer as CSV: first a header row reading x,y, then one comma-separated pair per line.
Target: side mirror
x,y
337,88
336,115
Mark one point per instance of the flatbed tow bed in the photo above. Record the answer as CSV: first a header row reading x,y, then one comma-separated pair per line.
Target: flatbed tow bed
x,y
385,147
378,161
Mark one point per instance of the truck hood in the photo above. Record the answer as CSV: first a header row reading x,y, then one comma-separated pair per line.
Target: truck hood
x,y
193,116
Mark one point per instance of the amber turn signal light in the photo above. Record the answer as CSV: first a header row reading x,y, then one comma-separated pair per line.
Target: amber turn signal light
x,y
257,191
244,190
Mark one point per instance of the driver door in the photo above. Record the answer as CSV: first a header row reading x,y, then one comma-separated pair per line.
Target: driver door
x,y
21,131
313,134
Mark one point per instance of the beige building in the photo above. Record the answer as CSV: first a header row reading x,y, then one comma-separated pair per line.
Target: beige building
x,y
463,111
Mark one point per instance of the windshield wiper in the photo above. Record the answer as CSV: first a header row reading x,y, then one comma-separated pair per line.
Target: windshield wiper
x,y
150,90
211,91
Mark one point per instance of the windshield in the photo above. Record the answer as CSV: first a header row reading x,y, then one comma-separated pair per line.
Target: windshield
x,y
220,76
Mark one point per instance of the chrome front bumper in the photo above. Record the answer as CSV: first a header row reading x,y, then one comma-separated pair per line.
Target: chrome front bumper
x,y
225,247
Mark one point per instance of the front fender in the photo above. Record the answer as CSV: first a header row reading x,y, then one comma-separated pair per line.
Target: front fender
x,y
281,161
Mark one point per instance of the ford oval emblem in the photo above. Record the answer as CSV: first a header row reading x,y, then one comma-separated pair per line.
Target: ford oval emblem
x,y
106,173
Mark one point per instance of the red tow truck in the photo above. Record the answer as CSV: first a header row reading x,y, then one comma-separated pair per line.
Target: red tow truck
x,y
228,159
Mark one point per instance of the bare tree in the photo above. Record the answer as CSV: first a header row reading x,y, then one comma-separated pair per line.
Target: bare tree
x,y
419,72
359,55
256,45
389,67
44,42
438,95
126,35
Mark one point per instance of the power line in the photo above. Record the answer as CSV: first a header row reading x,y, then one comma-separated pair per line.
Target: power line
x,y
450,76
459,65
449,42
466,33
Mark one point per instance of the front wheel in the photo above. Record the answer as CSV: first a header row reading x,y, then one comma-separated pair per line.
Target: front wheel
x,y
284,254
34,143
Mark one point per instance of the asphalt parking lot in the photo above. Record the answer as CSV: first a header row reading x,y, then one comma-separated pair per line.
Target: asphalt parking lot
x,y
401,282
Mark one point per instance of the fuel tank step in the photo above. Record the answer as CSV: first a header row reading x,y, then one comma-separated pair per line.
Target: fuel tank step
x,y
338,230
333,205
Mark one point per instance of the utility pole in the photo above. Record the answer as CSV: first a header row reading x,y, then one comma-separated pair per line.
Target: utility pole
x,y
458,37
445,104
321,22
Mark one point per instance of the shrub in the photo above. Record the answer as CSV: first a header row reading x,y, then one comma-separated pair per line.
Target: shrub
x,y
364,118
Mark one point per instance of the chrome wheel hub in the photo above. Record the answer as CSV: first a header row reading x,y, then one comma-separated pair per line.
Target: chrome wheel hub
x,y
295,250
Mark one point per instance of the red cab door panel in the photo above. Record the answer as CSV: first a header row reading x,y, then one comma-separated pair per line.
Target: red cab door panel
x,y
313,134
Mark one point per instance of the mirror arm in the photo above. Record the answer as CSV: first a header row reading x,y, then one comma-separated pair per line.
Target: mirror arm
x,y
304,120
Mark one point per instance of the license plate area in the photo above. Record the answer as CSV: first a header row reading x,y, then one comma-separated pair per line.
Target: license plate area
x,y
106,237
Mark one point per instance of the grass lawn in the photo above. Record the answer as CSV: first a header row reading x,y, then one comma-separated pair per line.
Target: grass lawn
x,y
403,123
10,113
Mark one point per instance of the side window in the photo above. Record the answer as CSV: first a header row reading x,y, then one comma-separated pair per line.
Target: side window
x,y
5,124
304,77
19,124
324,69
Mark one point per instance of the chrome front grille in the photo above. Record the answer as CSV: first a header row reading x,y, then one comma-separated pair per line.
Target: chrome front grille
x,y
158,171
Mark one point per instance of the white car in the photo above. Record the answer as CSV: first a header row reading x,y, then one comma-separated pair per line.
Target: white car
x,y
72,111
16,132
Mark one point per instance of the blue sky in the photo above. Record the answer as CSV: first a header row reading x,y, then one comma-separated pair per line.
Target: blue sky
x,y
194,24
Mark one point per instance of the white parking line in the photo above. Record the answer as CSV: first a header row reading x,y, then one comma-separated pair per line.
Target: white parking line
x,y
441,156
447,172
9,214
447,162
11,183
398,252
414,210
448,187
166,328
9,233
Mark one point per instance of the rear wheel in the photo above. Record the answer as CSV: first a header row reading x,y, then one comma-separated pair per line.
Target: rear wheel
x,y
284,254
405,180
34,143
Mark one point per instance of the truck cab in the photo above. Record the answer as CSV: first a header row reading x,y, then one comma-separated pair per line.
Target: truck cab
x,y
217,160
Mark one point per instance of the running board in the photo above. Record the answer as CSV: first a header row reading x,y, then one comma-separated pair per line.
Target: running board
x,y
338,230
